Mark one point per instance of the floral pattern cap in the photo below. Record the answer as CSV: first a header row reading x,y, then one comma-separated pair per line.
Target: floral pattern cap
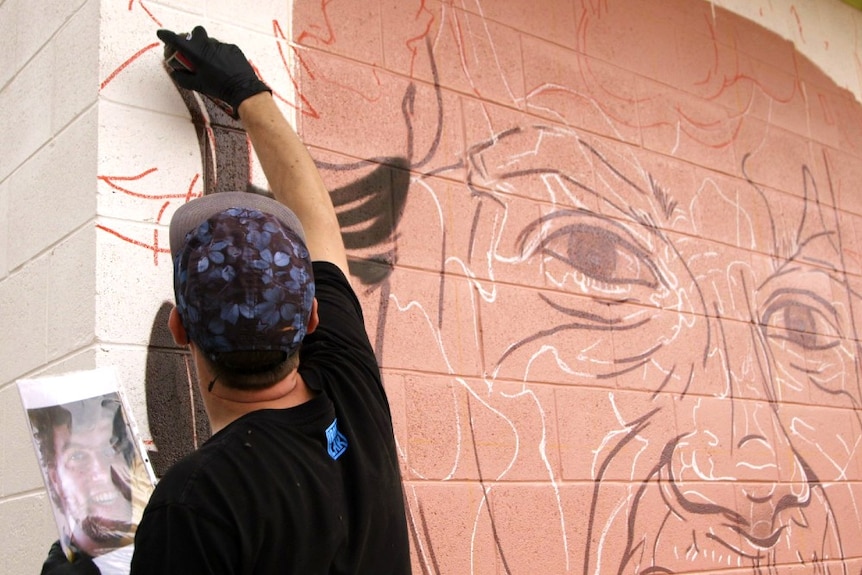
x,y
243,282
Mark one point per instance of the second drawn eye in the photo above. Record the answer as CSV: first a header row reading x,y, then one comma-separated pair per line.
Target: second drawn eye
x,y
799,323
600,254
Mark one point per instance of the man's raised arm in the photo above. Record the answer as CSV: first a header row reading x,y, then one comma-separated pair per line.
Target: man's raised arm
x,y
222,72
293,177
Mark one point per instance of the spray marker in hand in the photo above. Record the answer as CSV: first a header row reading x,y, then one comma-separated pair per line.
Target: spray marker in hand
x,y
178,62
211,68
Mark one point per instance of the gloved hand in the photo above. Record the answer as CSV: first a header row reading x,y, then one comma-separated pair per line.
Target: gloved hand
x,y
58,564
220,71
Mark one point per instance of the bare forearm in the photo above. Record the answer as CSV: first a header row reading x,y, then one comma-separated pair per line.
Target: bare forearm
x,y
293,177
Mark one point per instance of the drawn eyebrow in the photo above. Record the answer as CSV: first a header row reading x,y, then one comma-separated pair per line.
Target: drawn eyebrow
x,y
668,204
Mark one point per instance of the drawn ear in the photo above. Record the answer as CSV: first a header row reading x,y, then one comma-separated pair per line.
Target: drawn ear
x,y
178,330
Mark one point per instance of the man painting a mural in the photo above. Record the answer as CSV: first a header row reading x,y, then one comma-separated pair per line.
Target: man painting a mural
x,y
301,474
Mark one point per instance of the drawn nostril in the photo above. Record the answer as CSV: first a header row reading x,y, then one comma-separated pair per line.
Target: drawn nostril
x,y
752,438
751,494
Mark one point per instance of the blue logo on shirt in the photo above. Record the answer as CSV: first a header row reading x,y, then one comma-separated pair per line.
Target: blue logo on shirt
x,y
336,443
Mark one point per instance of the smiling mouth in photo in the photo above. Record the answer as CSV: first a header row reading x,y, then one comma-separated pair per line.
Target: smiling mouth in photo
x,y
104,498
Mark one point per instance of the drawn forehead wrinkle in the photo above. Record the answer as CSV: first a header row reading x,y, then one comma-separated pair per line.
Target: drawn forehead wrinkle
x,y
649,205
529,150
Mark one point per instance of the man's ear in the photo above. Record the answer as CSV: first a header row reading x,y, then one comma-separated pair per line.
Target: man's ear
x,y
313,318
178,330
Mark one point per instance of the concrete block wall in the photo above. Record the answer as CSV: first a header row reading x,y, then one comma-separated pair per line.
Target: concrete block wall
x,y
49,94
564,220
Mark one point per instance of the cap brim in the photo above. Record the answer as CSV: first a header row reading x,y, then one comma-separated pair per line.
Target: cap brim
x,y
192,214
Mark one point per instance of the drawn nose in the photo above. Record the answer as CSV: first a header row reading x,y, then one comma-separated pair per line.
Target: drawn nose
x,y
738,462
768,504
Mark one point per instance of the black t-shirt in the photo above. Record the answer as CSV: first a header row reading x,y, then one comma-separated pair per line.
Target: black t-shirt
x,y
314,489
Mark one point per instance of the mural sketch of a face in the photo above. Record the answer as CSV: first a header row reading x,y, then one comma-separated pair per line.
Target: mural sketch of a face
x,y
663,280
717,359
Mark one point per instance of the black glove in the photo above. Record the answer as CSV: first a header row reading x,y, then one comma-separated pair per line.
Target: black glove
x,y
217,70
58,564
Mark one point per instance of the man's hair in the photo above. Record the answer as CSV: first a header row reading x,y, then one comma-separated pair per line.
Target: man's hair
x,y
44,421
252,370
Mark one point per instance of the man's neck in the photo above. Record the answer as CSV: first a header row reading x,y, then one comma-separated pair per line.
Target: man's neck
x,y
225,405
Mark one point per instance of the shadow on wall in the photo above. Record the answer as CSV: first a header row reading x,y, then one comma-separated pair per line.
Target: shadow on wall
x,y
178,422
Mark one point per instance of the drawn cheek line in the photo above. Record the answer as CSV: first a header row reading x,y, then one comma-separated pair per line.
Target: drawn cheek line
x,y
566,327
154,246
110,180
146,10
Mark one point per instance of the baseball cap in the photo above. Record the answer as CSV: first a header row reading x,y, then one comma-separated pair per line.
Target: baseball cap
x,y
242,274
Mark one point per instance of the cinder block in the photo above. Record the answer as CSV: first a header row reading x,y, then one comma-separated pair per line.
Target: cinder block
x,y
130,60
25,116
149,164
60,180
132,281
22,315
259,19
74,65
81,360
353,30
19,468
37,22
4,225
410,318
70,305
29,530
10,63
445,518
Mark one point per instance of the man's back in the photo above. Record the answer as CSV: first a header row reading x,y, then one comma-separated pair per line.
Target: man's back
x,y
311,489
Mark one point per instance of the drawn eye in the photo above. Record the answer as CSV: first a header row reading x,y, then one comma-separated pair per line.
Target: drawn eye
x,y
600,254
802,324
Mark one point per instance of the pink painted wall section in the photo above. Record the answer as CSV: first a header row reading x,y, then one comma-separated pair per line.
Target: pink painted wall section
x,y
608,254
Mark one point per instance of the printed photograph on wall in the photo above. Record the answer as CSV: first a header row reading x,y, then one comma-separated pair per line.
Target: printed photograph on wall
x,y
95,470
